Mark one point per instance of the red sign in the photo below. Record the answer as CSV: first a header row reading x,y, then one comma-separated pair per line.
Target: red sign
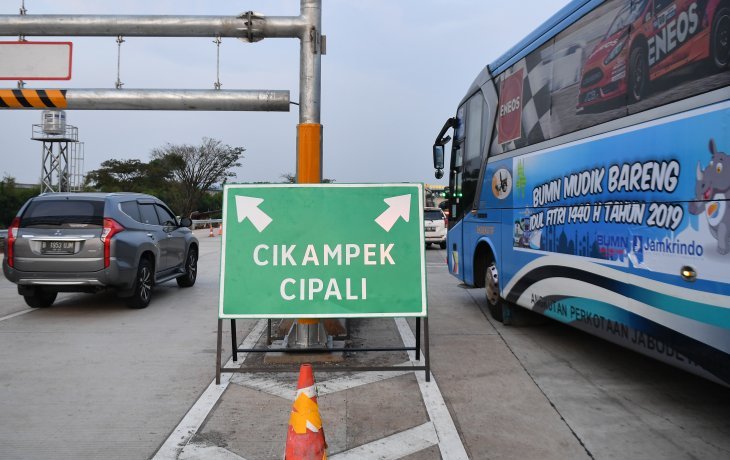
x,y
509,117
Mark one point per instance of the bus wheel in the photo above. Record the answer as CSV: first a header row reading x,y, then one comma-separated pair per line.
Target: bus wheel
x,y
719,46
638,74
491,283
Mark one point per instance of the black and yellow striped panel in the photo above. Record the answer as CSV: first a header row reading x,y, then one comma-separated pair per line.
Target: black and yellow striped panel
x,y
33,99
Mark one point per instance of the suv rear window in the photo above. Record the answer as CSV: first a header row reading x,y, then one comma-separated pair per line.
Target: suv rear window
x,y
433,215
130,208
64,213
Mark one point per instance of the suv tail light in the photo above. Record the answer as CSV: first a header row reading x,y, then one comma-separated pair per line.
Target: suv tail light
x,y
12,234
111,228
446,221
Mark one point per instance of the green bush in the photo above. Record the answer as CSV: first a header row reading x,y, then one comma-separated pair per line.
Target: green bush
x,y
12,198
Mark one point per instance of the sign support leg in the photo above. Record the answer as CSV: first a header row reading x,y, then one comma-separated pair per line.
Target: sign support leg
x,y
426,352
218,353
418,338
234,342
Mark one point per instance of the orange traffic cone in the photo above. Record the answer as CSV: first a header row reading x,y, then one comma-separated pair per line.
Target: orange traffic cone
x,y
220,230
305,436
211,231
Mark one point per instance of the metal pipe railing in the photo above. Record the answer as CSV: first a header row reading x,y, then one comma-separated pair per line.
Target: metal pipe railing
x,y
155,99
247,26
146,99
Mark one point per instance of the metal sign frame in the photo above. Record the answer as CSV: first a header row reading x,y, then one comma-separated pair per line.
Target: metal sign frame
x,y
219,369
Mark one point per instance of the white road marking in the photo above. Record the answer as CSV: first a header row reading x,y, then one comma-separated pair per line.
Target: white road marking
x,y
394,447
283,389
389,448
351,381
448,437
266,383
197,414
13,315
204,452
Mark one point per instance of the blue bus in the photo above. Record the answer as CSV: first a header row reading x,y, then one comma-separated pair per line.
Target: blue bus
x,y
589,178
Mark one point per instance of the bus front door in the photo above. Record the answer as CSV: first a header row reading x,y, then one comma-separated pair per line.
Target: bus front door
x,y
455,237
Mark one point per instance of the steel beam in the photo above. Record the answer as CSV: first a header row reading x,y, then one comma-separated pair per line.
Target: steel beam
x,y
309,136
310,67
148,99
247,26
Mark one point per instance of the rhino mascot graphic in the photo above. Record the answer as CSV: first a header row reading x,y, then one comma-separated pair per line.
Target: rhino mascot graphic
x,y
712,190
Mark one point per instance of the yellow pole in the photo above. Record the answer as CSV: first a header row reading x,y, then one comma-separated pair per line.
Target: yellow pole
x,y
309,166
309,157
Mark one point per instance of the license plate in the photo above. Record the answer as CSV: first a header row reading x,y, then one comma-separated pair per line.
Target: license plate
x,y
57,247
430,229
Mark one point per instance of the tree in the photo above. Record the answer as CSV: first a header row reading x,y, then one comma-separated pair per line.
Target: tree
x,y
133,175
12,198
118,176
290,178
197,168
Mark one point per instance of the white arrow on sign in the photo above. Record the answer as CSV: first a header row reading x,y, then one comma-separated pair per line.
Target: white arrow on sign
x,y
247,206
398,206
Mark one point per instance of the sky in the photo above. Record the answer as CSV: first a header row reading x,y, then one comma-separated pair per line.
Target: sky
x,y
394,71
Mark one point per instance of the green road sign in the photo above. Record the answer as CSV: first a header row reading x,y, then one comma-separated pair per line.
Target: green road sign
x,y
322,251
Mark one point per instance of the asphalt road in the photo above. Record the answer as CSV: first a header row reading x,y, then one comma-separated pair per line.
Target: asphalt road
x,y
90,378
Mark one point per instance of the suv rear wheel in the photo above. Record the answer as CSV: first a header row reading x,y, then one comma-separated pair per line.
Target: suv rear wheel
x,y
40,298
142,286
191,269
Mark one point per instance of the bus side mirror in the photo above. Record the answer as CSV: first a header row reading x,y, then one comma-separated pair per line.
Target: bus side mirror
x,y
438,159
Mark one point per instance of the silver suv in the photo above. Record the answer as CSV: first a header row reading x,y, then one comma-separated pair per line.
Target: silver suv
x,y
86,242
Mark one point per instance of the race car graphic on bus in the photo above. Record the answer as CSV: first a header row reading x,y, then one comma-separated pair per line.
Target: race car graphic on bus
x,y
649,39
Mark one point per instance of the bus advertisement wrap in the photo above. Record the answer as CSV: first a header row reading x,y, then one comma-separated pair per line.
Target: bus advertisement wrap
x,y
629,197
647,201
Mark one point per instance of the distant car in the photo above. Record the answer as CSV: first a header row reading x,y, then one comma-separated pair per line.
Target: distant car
x,y
434,226
86,242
